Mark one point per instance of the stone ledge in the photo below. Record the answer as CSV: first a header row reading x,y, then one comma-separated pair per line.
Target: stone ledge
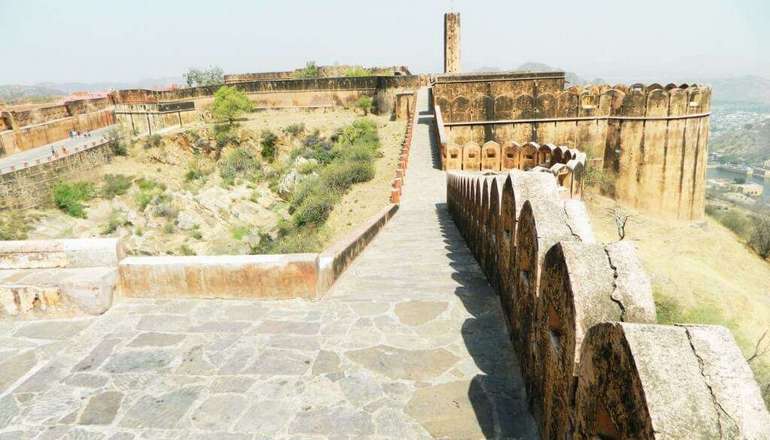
x,y
337,257
226,276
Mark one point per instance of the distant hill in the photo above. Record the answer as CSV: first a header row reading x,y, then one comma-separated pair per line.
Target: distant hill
x,y
13,93
743,89
749,143
16,93
571,77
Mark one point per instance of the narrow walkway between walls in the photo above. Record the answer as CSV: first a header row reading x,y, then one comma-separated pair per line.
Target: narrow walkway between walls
x,y
410,343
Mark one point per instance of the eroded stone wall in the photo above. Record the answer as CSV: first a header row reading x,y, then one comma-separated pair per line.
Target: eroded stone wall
x,y
31,186
582,320
452,42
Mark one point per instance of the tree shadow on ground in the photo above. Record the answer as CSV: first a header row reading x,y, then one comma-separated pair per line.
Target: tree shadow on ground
x,y
498,395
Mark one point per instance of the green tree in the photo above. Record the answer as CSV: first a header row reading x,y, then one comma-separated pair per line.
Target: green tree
x,y
364,103
310,71
229,103
212,76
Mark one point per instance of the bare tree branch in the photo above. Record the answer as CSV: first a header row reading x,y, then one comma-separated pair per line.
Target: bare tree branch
x,y
759,349
621,218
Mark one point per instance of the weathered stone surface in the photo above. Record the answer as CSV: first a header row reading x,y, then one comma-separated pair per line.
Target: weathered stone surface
x,y
52,329
267,417
419,312
441,410
101,408
8,410
156,340
326,362
636,380
160,412
219,412
137,361
86,380
291,327
280,362
580,287
97,356
328,421
16,367
406,364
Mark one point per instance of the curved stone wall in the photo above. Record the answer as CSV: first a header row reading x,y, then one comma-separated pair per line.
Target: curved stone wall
x,y
651,139
582,319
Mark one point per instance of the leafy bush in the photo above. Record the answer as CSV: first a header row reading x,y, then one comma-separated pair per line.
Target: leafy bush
x,y
268,139
341,176
315,207
295,129
14,225
230,103
197,169
116,185
364,103
116,220
186,250
165,210
239,162
168,228
736,222
309,71
759,240
149,191
153,141
118,142
289,242
69,197
239,232
357,71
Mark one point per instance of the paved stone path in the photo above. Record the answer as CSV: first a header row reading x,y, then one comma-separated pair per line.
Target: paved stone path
x,y
410,344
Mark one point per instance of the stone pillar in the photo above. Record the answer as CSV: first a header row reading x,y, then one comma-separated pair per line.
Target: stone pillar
x,y
452,42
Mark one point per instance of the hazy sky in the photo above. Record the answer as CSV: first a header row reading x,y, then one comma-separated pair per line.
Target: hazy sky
x,y
662,40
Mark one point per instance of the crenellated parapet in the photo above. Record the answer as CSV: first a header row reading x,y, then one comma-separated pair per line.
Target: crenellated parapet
x,y
652,141
583,322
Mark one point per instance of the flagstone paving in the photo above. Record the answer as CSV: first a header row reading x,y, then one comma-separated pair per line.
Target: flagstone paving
x,y
409,344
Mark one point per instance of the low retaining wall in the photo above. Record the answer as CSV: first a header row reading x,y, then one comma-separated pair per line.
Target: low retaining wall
x,y
31,186
247,276
223,276
337,257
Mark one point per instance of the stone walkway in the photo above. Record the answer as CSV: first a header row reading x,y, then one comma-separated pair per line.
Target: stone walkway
x,y
410,344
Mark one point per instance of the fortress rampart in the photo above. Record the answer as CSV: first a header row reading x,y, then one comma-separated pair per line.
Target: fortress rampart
x,y
137,108
30,186
652,141
323,72
582,319
22,130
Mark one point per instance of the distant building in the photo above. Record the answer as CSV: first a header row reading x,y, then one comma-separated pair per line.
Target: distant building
x,y
751,189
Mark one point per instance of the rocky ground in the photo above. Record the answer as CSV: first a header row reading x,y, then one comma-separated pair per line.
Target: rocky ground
x,y
206,215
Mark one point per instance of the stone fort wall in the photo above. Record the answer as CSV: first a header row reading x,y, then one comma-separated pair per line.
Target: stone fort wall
x,y
138,108
582,318
651,140
31,186
22,130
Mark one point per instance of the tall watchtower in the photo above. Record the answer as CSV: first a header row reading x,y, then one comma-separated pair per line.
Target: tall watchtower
x,y
451,42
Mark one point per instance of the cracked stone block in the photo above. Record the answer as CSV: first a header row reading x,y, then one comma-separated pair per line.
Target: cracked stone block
x,y
648,381
580,286
542,224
